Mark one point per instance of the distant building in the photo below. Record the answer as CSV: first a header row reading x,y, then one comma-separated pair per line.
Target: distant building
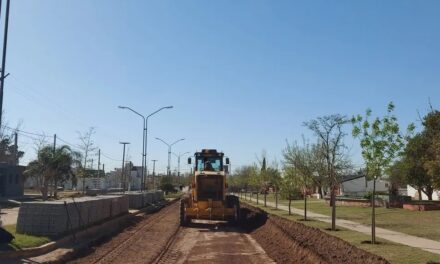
x,y
415,194
11,180
357,185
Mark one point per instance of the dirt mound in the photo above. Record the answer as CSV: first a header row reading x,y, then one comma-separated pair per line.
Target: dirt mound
x,y
292,242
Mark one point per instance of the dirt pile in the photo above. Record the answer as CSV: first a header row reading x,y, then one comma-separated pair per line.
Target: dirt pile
x,y
292,242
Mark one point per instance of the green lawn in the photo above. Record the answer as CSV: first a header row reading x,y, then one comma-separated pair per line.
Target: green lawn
x,y
395,253
173,195
24,241
417,223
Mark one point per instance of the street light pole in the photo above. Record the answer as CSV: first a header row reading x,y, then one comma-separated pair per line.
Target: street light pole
x,y
123,164
154,167
178,162
146,137
143,143
169,153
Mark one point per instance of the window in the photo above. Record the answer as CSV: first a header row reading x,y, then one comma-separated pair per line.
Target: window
x,y
209,163
10,178
17,178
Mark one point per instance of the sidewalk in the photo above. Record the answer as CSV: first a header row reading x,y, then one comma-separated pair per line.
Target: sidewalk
x,y
397,237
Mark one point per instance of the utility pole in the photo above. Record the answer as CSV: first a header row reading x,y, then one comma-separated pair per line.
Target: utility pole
x,y
54,142
154,168
16,149
54,181
99,160
2,76
123,165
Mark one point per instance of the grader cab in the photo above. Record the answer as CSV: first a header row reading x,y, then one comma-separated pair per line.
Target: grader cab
x,y
208,198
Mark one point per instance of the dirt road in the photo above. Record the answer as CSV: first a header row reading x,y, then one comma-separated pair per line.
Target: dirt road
x,y
158,238
205,242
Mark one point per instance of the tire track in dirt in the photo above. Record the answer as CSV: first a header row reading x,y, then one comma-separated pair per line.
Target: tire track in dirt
x,y
207,242
142,243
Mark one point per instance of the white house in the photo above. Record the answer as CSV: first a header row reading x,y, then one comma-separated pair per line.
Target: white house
x,y
357,185
415,194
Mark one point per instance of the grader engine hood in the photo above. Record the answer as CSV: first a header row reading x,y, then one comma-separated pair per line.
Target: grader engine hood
x,y
210,186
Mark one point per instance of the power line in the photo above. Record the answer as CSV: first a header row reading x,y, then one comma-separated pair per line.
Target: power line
x,y
109,157
22,131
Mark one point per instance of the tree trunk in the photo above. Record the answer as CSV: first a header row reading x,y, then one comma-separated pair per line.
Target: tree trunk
x,y
257,198
290,202
43,191
429,191
420,194
265,199
276,198
305,205
320,191
333,202
55,191
373,216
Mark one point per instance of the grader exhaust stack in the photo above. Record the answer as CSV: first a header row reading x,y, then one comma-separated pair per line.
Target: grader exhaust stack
x,y
208,198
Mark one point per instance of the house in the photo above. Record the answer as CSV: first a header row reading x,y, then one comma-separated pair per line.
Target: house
x,y
11,180
357,185
415,194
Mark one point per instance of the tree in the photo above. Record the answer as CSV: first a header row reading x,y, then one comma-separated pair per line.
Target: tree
x,y
290,185
330,135
320,171
87,146
301,159
381,141
431,123
52,166
9,152
419,164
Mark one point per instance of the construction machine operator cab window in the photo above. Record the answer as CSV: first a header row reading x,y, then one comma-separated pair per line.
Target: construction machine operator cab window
x,y
209,164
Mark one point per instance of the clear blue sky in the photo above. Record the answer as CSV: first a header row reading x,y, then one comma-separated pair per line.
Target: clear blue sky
x,y
242,75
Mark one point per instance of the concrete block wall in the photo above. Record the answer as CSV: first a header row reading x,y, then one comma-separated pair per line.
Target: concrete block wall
x,y
55,218
139,200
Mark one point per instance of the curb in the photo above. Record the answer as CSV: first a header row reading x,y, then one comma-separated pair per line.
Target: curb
x,y
84,236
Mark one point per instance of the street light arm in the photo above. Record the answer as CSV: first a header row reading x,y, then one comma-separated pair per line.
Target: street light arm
x,y
160,109
163,142
177,141
126,107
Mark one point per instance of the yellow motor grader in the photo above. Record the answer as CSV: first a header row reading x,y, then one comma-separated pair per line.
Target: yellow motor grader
x,y
208,198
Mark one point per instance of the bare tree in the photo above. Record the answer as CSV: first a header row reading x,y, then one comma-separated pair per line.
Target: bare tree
x,y
87,146
329,131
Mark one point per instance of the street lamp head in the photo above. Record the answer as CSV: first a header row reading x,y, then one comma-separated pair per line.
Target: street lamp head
x,y
169,107
122,107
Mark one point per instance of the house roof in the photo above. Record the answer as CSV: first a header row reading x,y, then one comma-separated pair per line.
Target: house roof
x,y
350,177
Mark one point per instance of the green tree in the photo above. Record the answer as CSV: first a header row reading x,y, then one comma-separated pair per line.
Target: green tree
x,y
381,142
419,165
301,159
52,166
290,185
329,130
431,123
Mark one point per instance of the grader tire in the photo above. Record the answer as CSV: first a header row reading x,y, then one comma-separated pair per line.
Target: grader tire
x,y
183,218
234,202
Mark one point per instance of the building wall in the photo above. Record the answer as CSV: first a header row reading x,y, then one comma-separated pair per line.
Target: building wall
x,y
11,181
354,187
381,186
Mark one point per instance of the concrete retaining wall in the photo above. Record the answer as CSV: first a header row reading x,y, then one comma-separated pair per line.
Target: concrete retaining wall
x,y
58,217
139,200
